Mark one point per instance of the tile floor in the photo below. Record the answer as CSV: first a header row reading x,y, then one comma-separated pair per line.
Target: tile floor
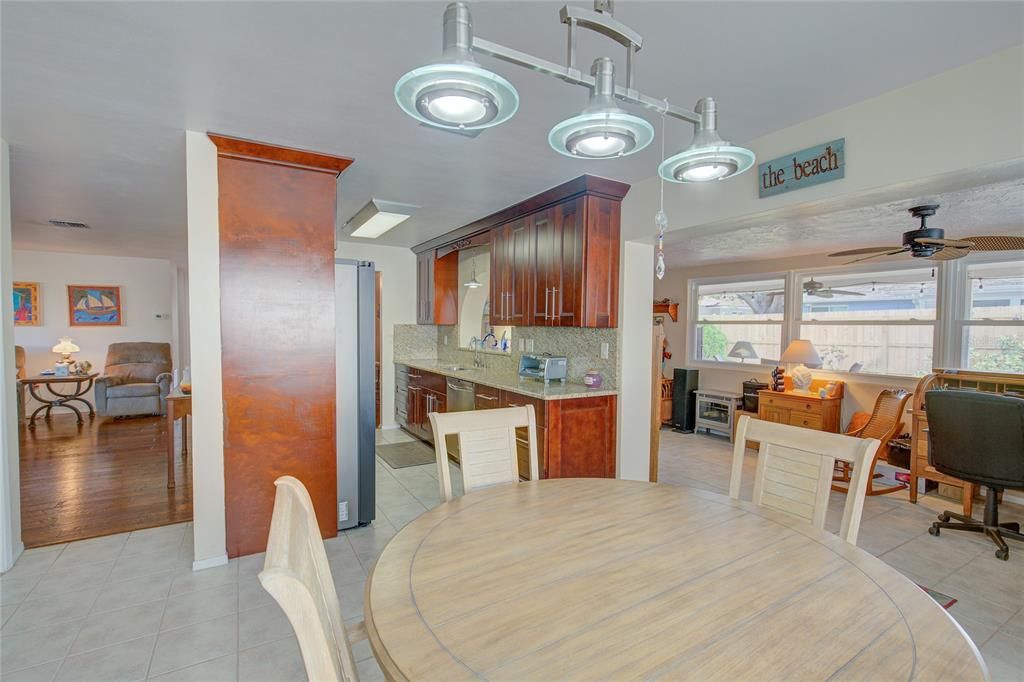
x,y
128,607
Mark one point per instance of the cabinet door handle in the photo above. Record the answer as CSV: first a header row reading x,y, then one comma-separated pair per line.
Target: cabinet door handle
x,y
508,314
554,304
546,290
485,397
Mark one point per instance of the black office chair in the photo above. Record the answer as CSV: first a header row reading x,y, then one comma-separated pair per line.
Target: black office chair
x,y
978,437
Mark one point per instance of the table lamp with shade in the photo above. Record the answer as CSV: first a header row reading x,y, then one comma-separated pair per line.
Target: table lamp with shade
x,y
744,350
802,353
65,347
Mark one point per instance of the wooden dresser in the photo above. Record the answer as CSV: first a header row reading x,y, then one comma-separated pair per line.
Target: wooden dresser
x,y
807,410
993,382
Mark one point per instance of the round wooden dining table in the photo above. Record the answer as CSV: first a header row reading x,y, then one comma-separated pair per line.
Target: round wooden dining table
x,y
606,579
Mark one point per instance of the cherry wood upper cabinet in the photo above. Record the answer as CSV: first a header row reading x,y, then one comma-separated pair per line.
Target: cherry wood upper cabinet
x,y
511,273
554,257
437,288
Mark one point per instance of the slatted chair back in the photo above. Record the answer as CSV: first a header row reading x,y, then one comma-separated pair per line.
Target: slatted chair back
x,y
487,446
297,575
794,470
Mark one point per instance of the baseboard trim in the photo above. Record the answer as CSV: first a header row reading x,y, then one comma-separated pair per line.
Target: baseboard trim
x,y
212,562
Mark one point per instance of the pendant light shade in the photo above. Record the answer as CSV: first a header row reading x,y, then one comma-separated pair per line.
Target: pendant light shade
x,y
708,157
458,96
457,93
602,130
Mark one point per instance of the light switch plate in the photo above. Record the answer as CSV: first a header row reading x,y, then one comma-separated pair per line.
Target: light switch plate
x,y
343,511
446,339
604,350
529,345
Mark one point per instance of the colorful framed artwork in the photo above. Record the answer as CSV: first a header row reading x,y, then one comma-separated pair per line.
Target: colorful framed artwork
x,y
27,312
94,305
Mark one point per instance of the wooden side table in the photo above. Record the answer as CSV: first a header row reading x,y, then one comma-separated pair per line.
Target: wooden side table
x,y
82,384
179,406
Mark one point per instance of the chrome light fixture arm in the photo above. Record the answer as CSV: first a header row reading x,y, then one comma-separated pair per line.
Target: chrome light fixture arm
x,y
570,74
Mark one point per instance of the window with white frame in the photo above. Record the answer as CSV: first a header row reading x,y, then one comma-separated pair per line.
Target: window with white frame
x,y
992,333
739,322
870,321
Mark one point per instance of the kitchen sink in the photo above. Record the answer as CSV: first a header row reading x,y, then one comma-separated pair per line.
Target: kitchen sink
x,y
456,368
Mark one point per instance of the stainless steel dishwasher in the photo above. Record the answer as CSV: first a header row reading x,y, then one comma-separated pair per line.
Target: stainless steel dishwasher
x,y
461,398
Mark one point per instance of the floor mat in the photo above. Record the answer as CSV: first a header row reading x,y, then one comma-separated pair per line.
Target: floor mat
x,y
411,454
943,600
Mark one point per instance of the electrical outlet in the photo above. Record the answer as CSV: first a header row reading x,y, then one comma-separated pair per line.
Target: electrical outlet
x,y
446,339
163,316
343,511
604,350
529,345
522,345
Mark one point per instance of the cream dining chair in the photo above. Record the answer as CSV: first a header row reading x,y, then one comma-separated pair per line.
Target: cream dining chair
x,y
794,471
298,577
487,446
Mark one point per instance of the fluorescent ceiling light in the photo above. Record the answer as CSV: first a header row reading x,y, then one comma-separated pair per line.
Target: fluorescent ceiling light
x,y
377,217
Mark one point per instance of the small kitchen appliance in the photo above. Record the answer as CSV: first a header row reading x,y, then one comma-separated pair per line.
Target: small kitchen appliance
x,y
544,367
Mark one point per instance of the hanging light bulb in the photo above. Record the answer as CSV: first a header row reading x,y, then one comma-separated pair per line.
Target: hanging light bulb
x,y
456,93
603,130
708,157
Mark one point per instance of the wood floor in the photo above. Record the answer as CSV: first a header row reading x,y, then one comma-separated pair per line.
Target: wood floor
x,y
106,476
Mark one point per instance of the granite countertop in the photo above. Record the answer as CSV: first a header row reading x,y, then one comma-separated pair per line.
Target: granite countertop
x,y
509,381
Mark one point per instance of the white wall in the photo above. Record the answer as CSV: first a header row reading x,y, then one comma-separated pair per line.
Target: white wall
x,y
209,528
10,488
397,266
147,286
896,138
636,292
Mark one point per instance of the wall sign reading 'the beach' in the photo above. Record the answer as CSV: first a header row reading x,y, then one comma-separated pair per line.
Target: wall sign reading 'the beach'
x,y
804,168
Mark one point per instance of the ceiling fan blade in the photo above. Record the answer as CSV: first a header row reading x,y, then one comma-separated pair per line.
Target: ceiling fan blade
x,y
843,292
877,255
949,254
954,243
996,243
861,252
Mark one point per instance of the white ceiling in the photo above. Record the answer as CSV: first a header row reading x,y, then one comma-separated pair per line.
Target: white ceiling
x,y
996,208
96,95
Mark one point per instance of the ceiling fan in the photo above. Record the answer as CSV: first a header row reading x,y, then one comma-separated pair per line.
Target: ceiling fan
x,y
813,287
931,243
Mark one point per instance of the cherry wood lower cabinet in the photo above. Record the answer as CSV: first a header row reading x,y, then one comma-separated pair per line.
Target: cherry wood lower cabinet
x,y
575,436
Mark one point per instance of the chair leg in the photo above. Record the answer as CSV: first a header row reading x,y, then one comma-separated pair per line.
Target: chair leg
x,y
991,527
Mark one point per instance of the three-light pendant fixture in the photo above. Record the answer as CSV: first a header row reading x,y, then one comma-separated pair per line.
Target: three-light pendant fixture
x,y
456,93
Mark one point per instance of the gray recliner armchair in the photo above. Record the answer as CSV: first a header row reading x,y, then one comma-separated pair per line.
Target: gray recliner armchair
x,y
135,381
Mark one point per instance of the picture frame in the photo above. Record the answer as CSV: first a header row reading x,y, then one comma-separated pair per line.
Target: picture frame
x,y
27,310
95,305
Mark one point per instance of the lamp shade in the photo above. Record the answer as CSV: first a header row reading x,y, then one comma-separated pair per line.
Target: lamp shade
x,y
65,346
743,350
801,352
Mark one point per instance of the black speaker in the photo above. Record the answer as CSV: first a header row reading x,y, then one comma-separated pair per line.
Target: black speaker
x,y
684,400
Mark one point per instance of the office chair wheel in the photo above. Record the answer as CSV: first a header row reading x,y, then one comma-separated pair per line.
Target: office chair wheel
x,y
1003,554
934,530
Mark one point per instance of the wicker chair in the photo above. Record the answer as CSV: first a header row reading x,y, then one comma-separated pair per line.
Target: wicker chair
x,y
885,423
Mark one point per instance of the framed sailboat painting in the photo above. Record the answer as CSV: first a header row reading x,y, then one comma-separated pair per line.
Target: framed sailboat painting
x,y
92,305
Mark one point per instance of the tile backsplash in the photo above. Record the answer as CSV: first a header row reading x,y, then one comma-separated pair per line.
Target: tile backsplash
x,y
581,346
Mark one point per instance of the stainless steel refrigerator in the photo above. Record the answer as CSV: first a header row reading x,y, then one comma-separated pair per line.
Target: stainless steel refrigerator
x,y
354,324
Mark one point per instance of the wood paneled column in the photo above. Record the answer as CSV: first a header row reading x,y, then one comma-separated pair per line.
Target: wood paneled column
x,y
277,214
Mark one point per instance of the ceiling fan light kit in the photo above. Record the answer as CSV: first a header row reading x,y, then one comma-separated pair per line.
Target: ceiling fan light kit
x,y
458,94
